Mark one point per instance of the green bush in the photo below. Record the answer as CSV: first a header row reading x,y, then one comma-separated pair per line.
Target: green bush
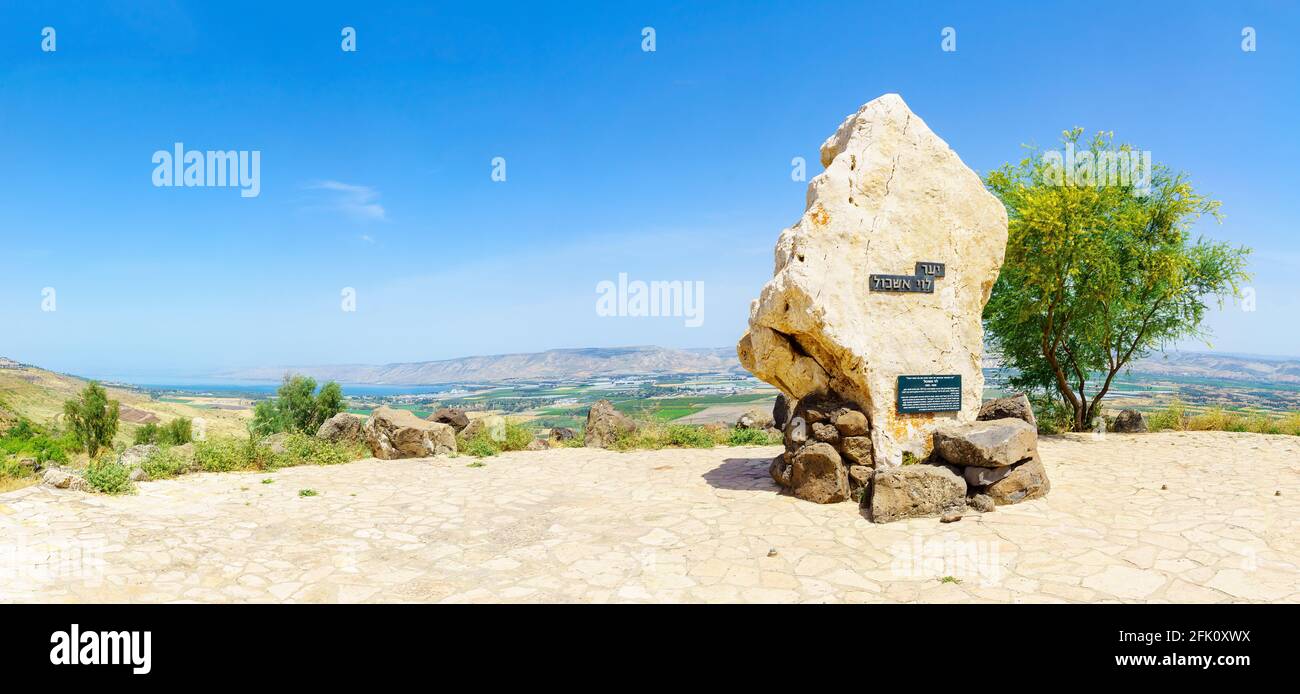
x,y
10,468
227,454
146,434
26,440
752,437
518,436
685,436
176,432
93,418
1170,418
301,449
296,408
164,463
479,445
109,477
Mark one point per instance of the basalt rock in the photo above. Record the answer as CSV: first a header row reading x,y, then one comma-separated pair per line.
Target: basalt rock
x,y
993,443
606,424
452,416
893,195
916,491
342,427
393,434
818,475
1016,406
780,411
1129,422
1027,480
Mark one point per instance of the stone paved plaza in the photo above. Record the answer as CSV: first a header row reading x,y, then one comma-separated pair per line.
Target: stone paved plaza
x,y
1173,517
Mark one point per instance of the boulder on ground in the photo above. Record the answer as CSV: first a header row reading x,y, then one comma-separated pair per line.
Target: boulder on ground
x,y
536,445
493,425
818,474
915,491
342,427
754,419
64,479
990,443
562,434
133,456
1027,480
780,411
894,200
605,425
1129,422
452,416
393,434
1016,406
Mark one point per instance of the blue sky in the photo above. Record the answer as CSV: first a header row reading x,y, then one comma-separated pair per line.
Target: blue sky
x,y
671,165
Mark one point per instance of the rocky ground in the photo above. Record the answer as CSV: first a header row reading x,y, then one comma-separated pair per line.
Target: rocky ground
x,y
1181,517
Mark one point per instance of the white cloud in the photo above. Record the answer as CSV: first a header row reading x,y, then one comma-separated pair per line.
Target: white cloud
x,y
358,202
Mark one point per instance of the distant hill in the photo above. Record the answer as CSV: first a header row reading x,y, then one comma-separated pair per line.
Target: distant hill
x,y
624,361
38,395
551,364
1229,367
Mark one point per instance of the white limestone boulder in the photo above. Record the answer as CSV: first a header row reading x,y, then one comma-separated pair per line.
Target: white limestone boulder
x,y
893,194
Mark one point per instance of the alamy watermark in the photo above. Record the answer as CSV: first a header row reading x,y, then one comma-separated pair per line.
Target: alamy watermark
x,y
660,299
182,168
949,557
1072,167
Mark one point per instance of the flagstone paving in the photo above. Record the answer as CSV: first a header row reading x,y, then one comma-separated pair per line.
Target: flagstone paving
x,y
1171,517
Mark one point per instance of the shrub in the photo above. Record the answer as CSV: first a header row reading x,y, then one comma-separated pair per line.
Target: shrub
x,y
1170,418
93,418
479,445
301,449
751,437
26,441
295,408
686,436
12,469
146,434
109,477
518,436
224,455
163,463
176,432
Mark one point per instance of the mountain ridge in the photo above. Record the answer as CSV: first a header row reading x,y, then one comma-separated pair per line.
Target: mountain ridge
x,y
549,364
648,359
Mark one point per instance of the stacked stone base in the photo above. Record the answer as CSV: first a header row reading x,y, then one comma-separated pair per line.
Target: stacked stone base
x,y
828,454
974,466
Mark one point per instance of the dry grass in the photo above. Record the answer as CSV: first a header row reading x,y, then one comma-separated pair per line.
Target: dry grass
x,y
1175,418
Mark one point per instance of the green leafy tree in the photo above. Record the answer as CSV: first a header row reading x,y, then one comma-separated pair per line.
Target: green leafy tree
x,y
92,418
298,407
1100,271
